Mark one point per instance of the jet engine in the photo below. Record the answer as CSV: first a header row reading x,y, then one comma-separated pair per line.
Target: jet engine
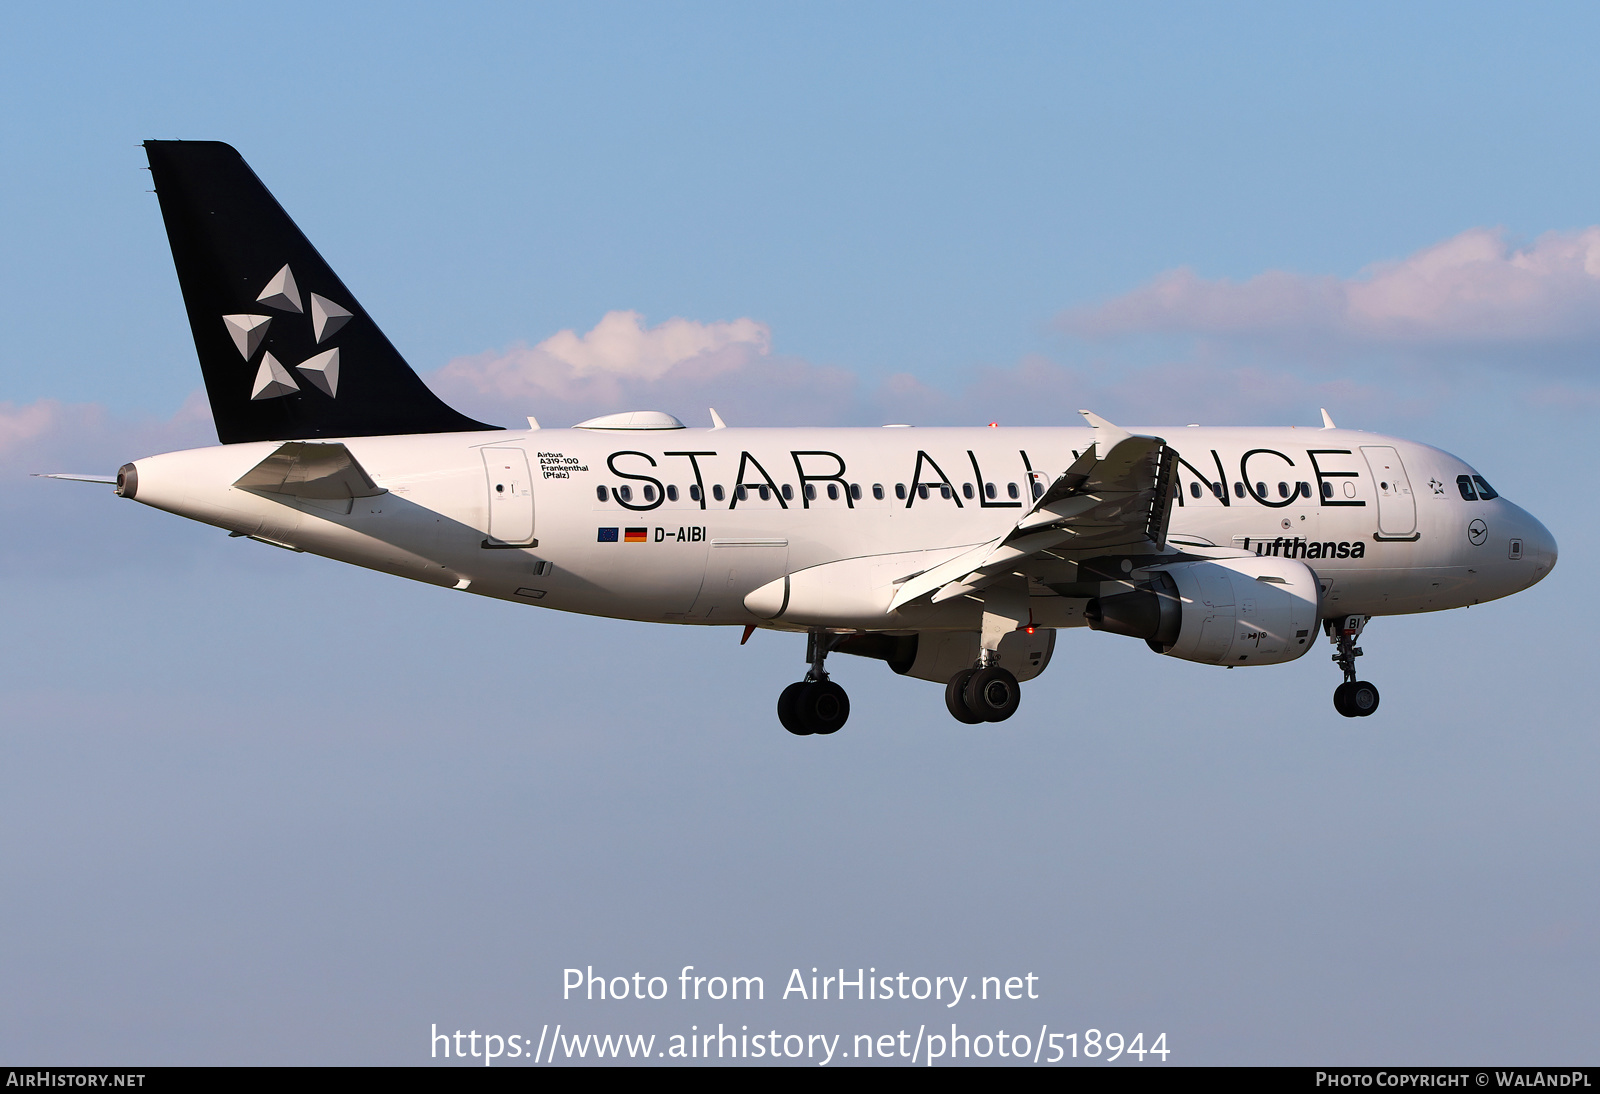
x,y
1232,611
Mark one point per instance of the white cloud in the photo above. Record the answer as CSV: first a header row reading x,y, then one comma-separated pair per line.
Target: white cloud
x,y
49,435
603,363
1475,289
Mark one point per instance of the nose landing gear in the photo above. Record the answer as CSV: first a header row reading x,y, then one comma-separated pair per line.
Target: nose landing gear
x,y
1353,698
815,704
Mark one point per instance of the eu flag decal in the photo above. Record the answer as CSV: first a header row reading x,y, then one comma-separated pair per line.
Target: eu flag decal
x,y
637,535
608,535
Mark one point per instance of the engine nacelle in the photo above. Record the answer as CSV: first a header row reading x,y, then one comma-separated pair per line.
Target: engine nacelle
x,y
1231,611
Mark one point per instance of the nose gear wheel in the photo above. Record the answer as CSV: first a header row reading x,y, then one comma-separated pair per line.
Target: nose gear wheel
x,y
1353,698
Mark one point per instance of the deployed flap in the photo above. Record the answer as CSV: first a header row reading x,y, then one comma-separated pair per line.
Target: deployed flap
x,y
1115,498
306,469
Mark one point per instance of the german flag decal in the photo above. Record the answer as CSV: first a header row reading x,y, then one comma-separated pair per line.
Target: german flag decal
x,y
636,535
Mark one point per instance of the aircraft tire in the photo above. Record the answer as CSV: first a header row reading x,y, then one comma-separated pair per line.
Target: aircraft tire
x,y
821,707
1362,698
786,709
955,697
992,694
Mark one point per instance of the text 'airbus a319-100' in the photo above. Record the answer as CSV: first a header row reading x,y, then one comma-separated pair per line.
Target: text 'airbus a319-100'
x,y
952,554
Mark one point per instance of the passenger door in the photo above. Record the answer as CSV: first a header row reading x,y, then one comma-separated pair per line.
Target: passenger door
x,y
1397,506
510,498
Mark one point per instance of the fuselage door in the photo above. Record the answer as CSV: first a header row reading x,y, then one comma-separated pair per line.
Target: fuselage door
x,y
1397,506
510,495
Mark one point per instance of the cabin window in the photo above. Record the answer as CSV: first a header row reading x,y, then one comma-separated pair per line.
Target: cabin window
x,y
946,493
649,492
717,493
1238,489
600,492
1485,491
1038,490
1305,490
1327,489
788,492
694,492
967,491
1219,490
989,491
765,492
900,490
672,493
1012,491
922,491
855,491
833,491
1194,489
1261,490
741,493
877,491
625,493
811,492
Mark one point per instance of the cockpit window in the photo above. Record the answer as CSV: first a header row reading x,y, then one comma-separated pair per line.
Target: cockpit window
x,y
1464,484
1485,491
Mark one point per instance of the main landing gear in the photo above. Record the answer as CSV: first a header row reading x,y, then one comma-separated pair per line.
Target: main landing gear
x,y
987,693
1353,698
815,704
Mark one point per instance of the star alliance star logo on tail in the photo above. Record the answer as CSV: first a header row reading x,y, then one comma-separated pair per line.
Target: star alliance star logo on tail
x,y
248,331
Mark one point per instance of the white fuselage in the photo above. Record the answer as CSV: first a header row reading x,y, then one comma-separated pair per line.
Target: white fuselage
x,y
671,525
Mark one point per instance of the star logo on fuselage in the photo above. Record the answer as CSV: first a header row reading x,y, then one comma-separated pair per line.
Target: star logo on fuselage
x,y
248,330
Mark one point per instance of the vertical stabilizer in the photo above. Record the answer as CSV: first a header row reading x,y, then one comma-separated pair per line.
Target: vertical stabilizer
x,y
287,352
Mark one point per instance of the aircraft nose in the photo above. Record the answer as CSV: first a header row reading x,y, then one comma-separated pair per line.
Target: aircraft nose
x,y
1545,544
1538,546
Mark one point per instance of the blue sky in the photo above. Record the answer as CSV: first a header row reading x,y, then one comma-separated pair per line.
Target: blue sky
x,y
263,807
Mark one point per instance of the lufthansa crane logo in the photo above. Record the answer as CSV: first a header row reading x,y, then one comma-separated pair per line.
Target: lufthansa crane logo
x,y
273,380
1477,532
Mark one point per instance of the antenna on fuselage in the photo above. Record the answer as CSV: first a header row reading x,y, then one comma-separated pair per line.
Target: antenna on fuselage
x,y
716,419
1327,422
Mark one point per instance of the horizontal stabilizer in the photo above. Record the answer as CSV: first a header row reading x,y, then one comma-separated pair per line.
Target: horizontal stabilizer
x,y
310,469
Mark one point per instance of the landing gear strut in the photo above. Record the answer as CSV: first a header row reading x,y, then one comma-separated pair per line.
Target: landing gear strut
x,y
986,693
1353,698
815,704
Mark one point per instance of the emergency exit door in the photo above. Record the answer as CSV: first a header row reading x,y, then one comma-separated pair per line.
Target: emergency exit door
x,y
510,498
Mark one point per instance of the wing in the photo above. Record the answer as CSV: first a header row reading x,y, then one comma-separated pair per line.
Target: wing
x,y
308,469
1116,498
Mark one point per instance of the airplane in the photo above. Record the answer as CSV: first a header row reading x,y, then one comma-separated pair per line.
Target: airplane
x,y
952,554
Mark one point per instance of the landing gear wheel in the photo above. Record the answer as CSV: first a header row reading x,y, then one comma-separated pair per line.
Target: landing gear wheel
x,y
992,694
786,710
955,697
1355,699
821,707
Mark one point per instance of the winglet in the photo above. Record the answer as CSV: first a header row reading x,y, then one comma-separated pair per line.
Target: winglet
x,y
1106,435
1327,422
716,420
